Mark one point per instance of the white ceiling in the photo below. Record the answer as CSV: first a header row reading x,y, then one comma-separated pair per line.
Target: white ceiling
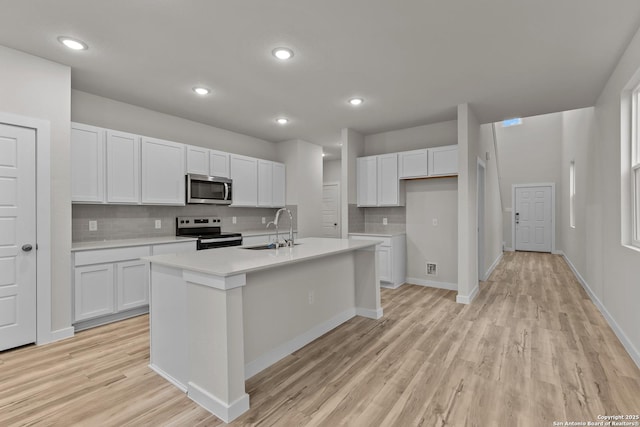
x,y
413,61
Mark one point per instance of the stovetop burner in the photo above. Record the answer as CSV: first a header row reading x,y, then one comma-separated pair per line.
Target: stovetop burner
x,y
208,232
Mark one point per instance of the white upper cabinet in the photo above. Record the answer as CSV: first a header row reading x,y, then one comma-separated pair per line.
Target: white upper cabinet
x,y
279,185
367,180
123,167
443,160
219,164
413,164
197,160
244,173
163,174
87,164
388,183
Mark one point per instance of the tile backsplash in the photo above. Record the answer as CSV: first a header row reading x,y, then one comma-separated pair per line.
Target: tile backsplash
x,y
369,220
129,222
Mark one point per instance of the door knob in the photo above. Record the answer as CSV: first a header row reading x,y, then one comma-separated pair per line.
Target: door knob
x,y
27,247
335,224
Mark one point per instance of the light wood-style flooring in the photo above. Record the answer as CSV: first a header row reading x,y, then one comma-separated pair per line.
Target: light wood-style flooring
x,y
530,350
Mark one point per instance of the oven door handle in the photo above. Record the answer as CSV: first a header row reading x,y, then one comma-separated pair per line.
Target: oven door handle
x,y
224,239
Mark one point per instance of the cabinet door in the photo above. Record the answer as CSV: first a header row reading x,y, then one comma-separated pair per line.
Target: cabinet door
x,y
163,177
197,160
384,263
87,163
413,164
279,185
244,173
219,164
265,183
388,184
93,291
443,160
367,181
123,168
132,284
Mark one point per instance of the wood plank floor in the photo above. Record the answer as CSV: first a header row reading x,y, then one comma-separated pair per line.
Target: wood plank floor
x,y
530,350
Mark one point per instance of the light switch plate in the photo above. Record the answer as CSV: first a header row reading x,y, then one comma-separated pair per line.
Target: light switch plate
x,y
434,221
158,223
93,225
264,220
384,221
234,219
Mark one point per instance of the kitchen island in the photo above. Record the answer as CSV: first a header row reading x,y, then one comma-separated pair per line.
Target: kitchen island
x,y
220,316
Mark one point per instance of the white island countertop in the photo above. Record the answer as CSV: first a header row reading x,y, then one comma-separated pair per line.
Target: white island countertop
x,y
124,243
230,261
389,234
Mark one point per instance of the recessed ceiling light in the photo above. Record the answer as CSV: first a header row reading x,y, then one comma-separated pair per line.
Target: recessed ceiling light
x,y
73,43
201,90
324,154
282,53
282,120
356,101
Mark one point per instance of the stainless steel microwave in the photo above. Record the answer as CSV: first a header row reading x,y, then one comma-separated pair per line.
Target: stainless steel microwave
x,y
208,189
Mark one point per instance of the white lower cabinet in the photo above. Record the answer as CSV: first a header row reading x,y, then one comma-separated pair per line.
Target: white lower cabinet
x,y
93,287
392,257
132,284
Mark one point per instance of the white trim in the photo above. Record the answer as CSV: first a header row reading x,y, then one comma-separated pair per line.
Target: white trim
x,y
480,245
369,312
493,266
44,334
283,350
62,334
466,299
172,380
553,211
626,342
509,249
390,285
226,412
432,284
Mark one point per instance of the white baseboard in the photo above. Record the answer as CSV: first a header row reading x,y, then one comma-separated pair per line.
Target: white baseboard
x,y
557,252
466,299
493,266
626,342
226,412
62,334
369,312
432,284
390,285
282,351
509,249
168,377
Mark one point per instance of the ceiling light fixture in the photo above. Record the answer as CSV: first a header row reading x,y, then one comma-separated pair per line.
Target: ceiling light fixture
x,y
73,44
356,101
324,154
282,53
282,120
202,90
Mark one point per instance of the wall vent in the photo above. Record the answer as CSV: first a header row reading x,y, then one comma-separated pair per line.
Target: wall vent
x,y
432,269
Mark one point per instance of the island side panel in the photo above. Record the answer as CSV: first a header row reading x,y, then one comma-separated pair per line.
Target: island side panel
x,y
288,307
367,283
168,324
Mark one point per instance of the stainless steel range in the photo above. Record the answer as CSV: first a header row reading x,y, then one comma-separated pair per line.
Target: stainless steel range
x,y
207,230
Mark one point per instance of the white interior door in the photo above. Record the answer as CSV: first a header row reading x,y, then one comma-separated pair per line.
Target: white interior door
x,y
17,236
331,210
533,219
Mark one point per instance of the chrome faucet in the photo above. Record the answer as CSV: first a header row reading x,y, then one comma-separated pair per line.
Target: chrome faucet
x,y
287,242
276,227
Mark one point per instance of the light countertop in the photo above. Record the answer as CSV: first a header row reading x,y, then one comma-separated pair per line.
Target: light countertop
x,y
123,243
264,232
397,233
236,260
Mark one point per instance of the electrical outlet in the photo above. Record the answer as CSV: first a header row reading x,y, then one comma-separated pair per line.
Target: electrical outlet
x,y
158,223
93,225
384,221
434,221
311,297
264,220
234,219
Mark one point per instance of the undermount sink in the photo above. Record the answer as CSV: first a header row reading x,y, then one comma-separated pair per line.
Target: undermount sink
x,y
263,247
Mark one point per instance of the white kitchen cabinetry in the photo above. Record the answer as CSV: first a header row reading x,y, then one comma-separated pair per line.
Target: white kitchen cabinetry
x,y
271,184
244,173
93,288
132,284
197,160
87,164
392,257
377,181
219,164
123,167
413,164
163,181
443,161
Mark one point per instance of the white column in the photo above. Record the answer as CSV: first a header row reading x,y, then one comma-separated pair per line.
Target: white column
x,y
367,282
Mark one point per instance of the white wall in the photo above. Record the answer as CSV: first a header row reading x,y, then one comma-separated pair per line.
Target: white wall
x,y
37,88
104,112
433,135
332,171
529,153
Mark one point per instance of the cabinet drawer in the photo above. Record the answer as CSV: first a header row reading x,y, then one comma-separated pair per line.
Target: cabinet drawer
x,y
173,248
110,255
